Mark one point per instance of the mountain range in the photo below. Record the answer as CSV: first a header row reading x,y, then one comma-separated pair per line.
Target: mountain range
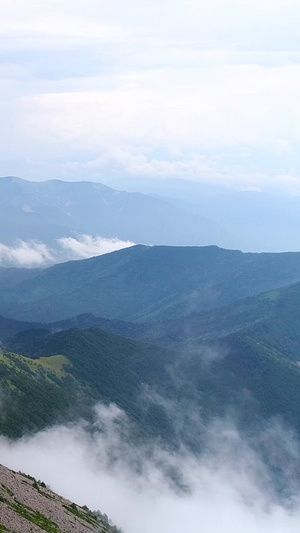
x,y
50,210
257,220
164,212
235,349
170,335
143,283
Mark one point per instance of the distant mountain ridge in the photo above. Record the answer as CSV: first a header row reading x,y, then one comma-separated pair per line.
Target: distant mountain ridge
x,y
170,212
267,311
266,220
49,210
241,358
215,333
145,283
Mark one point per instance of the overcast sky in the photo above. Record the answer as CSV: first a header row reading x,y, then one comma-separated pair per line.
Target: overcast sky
x,y
183,88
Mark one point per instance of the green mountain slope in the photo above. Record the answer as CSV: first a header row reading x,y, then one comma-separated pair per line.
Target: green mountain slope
x,y
272,317
249,349
237,374
117,370
147,283
35,394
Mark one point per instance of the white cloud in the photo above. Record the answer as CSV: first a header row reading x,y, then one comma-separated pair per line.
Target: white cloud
x,y
26,254
192,166
86,81
38,254
44,26
88,246
211,107
141,165
202,113
226,489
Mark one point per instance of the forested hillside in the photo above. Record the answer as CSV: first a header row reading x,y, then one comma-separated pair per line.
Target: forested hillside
x,y
146,283
236,353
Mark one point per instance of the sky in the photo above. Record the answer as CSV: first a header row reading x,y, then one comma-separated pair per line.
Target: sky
x,y
205,91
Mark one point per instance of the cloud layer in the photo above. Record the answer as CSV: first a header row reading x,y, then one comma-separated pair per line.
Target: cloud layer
x,y
226,489
179,89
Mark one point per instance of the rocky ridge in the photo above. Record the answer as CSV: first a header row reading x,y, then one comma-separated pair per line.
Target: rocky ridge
x,y
28,506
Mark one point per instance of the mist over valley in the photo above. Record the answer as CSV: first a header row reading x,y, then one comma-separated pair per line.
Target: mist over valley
x,y
171,368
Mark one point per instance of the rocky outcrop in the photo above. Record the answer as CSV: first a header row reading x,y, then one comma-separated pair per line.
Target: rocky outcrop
x,y
28,506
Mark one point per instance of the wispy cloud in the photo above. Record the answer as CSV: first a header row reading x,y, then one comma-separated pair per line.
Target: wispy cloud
x,y
27,254
38,254
88,246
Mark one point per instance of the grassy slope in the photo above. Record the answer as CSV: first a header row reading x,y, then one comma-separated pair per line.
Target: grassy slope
x,y
37,393
237,373
118,370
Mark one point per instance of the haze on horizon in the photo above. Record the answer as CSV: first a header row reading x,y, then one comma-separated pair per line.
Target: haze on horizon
x,y
101,91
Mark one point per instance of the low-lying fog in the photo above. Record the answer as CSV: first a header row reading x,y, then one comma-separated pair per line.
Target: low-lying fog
x,y
146,488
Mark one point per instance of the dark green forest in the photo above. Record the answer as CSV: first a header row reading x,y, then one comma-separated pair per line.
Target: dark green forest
x,y
238,353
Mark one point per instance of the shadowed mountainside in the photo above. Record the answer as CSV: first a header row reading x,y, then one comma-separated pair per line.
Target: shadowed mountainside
x,y
146,283
239,373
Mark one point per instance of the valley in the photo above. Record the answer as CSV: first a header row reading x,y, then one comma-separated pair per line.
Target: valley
x,y
238,352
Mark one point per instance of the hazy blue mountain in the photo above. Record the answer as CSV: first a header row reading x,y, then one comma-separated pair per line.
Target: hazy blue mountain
x,y
11,277
272,317
260,221
9,327
173,212
49,210
146,283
